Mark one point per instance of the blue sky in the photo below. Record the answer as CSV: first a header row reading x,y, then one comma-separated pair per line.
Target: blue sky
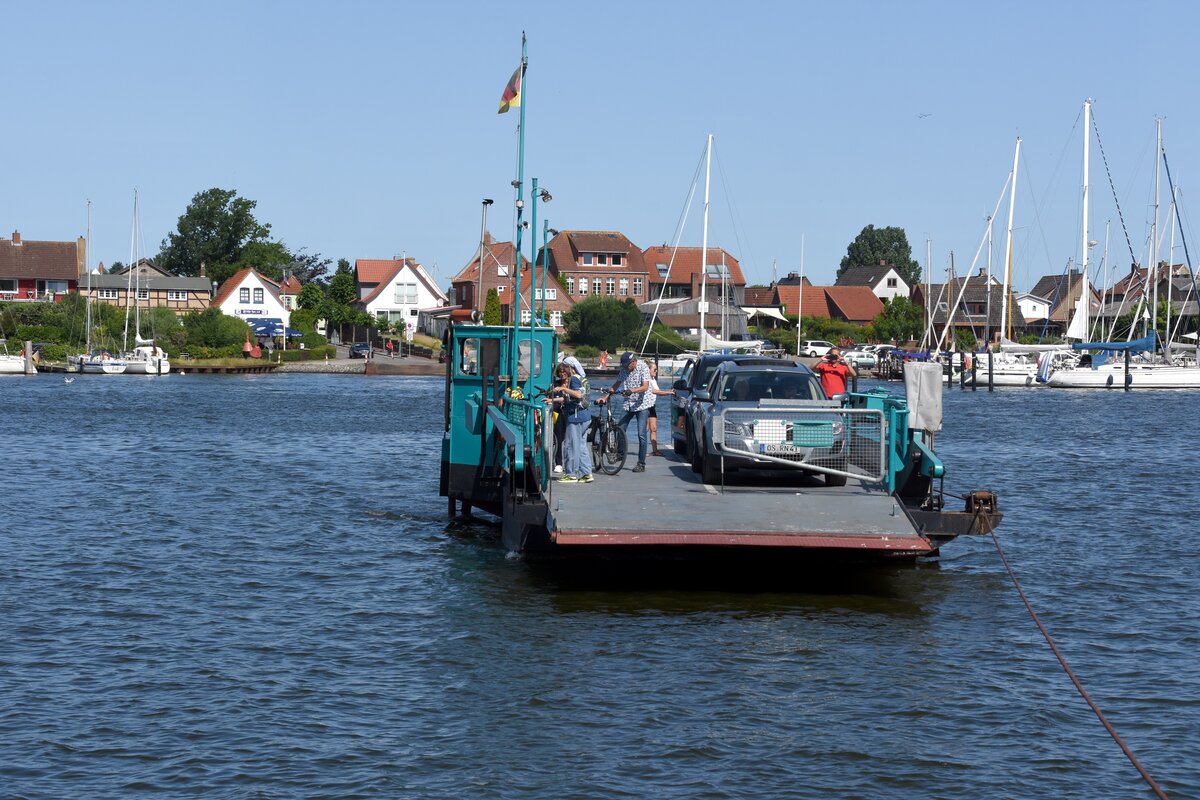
x,y
367,129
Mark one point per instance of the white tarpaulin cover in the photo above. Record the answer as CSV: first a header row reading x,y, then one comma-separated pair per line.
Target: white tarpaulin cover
x,y
774,313
923,386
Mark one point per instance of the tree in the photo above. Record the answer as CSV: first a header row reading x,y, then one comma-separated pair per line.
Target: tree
x,y
269,258
888,245
211,328
603,322
214,230
900,320
491,308
341,289
309,268
311,297
343,266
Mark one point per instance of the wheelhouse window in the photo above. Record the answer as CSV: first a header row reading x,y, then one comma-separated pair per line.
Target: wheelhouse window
x,y
468,357
523,358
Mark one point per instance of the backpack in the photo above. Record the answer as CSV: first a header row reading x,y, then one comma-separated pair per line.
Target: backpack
x,y
584,400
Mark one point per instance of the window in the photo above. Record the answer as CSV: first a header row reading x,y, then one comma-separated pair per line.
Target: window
x,y
143,294
537,293
108,294
526,316
891,284
551,293
243,295
624,286
586,259
499,290
610,286
616,259
258,295
8,284
468,358
583,285
523,358
412,312
596,283
406,293
663,270
556,319
51,287
502,270
637,287
602,259
570,284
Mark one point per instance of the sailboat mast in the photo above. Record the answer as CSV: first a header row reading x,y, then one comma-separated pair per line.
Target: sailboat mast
x,y
724,299
704,244
1085,295
87,260
1005,320
987,287
129,276
1170,273
800,298
1152,273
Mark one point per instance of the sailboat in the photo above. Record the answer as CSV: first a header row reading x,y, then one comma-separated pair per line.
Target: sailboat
x,y
1142,371
99,361
146,358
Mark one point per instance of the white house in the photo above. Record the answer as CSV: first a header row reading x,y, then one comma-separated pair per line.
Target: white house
x,y
884,281
1033,308
252,296
396,289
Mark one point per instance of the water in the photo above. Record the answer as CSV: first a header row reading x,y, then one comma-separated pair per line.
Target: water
x,y
246,587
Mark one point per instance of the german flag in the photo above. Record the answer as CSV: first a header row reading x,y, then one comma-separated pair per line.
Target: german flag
x,y
512,92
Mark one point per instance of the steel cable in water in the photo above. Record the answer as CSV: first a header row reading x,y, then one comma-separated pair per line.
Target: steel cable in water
x,y
1079,686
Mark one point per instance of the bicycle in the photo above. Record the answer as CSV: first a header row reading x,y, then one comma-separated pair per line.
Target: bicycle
x,y
606,440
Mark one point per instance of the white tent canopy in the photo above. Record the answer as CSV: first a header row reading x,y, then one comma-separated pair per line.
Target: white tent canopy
x,y
773,313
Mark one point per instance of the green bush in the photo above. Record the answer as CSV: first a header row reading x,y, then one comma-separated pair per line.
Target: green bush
x,y
52,352
212,329
304,320
40,333
315,354
311,341
227,351
586,351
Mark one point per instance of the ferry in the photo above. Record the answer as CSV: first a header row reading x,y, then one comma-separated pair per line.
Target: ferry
x,y
497,456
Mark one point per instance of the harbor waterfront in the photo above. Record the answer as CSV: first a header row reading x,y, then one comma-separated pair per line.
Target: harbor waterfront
x,y
247,586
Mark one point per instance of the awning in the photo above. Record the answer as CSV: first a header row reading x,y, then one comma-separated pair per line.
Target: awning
x,y
773,313
271,326
1145,343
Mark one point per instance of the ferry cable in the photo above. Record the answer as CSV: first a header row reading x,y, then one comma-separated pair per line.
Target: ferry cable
x,y
1079,686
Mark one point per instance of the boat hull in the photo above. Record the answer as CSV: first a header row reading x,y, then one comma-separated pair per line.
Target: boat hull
x,y
106,367
12,365
1140,377
157,366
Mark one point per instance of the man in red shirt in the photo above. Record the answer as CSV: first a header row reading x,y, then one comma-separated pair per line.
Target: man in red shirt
x,y
834,370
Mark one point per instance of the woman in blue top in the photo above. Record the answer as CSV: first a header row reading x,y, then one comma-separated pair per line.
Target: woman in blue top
x,y
577,467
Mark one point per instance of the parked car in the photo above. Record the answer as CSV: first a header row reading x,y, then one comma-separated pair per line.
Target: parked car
x,y
860,358
814,348
754,388
696,375
360,350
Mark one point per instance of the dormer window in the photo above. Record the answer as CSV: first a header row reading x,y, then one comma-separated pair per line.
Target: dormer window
x,y
602,259
586,259
616,259
663,269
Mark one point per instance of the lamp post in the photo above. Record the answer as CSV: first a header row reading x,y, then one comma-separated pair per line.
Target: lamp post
x,y
547,231
545,196
487,201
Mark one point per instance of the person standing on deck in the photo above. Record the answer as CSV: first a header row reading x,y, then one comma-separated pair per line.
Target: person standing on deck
x,y
654,392
576,454
834,370
634,383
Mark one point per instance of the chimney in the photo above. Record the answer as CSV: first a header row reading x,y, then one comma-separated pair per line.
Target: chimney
x,y
883,262
16,240
202,275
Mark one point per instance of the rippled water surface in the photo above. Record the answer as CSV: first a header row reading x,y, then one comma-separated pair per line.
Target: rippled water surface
x,y
247,587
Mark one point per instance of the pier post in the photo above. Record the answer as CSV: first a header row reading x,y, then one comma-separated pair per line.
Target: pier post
x,y
29,368
991,366
962,371
1127,370
975,372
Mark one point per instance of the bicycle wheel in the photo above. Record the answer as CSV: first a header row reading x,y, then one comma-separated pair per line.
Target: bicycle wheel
x,y
612,451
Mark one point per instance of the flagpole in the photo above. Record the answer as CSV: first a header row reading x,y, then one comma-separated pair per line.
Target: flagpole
x,y
520,205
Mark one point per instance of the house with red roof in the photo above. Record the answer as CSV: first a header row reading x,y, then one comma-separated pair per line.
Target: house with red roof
x,y
396,289
252,296
37,270
676,272
289,292
494,267
856,304
598,264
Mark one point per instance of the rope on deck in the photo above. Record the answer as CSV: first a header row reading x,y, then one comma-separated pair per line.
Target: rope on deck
x,y
1079,686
